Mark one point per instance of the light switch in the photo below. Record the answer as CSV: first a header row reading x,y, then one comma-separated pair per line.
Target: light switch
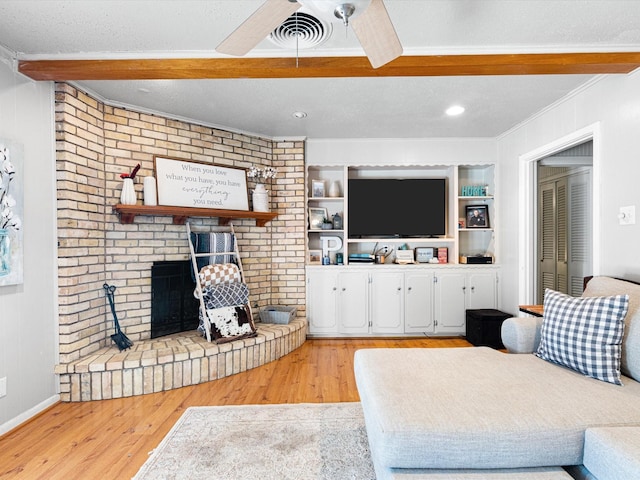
x,y
627,215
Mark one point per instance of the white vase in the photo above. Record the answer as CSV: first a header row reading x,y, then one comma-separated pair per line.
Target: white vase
x,y
334,189
260,199
128,193
150,197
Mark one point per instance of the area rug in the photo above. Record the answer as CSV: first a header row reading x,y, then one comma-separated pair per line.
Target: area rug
x,y
323,441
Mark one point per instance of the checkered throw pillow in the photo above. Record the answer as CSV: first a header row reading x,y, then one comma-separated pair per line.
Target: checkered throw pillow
x,y
584,333
219,273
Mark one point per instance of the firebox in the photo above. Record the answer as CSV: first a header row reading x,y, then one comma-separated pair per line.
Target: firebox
x,y
174,309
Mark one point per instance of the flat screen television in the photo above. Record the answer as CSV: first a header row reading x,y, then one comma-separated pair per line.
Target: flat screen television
x,y
411,207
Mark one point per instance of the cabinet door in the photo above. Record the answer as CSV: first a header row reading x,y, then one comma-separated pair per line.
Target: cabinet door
x,y
353,314
482,290
387,302
418,306
450,303
322,295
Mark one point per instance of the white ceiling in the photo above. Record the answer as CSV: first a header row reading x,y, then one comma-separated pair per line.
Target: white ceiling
x,y
336,107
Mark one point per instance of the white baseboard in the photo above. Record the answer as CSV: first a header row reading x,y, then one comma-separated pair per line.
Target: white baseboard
x,y
32,412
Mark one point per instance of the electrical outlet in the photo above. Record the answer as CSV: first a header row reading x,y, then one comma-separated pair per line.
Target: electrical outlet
x,y
627,215
3,387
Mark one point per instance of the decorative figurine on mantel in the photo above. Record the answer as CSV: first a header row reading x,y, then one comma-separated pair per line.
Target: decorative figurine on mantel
x,y
260,193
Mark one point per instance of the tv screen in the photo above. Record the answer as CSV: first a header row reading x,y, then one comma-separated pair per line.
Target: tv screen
x,y
412,207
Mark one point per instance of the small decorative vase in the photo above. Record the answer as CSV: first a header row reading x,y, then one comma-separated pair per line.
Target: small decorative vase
x,y
128,193
334,189
150,197
5,252
260,199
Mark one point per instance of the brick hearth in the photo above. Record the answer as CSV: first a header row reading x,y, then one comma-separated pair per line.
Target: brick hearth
x,y
173,361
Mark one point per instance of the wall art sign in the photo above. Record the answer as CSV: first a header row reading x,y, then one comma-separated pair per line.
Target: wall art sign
x,y
187,183
11,213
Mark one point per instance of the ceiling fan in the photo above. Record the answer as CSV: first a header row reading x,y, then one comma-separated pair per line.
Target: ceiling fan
x,y
368,19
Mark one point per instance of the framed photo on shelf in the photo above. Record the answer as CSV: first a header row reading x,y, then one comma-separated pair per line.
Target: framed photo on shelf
x,y
315,257
316,216
317,188
476,216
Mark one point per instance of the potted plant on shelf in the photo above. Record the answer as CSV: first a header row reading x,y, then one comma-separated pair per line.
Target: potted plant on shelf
x,y
326,224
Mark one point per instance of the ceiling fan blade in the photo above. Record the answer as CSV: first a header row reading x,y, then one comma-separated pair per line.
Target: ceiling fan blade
x,y
257,27
376,34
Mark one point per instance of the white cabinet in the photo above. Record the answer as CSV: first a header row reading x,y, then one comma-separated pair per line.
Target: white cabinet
x,y
322,298
458,290
394,300
450,303
418,302
353,312
482,289
387,302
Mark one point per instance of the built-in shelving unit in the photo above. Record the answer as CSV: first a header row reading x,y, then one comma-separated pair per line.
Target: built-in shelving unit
x,y
459,239
357,299
476,241
127,213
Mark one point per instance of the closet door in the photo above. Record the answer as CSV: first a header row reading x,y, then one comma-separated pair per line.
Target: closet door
x,y
553,235
580,231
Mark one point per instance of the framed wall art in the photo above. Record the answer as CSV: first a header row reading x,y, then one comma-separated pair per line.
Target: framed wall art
x,y
316,217
315,257
317,188
476,216
186,183
11,212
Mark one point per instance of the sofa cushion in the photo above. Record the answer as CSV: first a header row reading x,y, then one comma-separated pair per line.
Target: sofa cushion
x,y
613,453
599,286
584,334
480,408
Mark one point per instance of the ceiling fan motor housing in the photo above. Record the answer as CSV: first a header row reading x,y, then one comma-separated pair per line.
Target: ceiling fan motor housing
x,y
329,10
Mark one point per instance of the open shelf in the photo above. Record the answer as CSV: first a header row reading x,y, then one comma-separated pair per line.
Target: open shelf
x,y
180,214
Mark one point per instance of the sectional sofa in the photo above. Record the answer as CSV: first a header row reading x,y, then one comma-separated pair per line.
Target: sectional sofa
x,y
477,413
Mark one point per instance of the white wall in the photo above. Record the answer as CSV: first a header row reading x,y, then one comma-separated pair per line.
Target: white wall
x,y
613,104
400,151
28,312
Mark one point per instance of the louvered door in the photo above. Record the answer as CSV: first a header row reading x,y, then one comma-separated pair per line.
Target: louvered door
x,y
564,233
580,231
546,238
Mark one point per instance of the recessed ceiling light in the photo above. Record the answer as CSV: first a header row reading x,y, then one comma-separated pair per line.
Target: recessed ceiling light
x,y
454,110
299,114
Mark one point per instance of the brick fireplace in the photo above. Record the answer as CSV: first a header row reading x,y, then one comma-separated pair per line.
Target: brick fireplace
x,y
95,144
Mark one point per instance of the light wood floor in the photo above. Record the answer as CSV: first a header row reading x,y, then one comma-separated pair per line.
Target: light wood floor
x,y
111,439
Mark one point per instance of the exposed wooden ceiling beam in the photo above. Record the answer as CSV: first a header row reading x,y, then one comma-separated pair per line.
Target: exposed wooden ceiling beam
x,y
326,67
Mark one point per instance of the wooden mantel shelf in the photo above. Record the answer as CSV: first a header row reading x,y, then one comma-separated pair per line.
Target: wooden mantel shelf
x,y
180,214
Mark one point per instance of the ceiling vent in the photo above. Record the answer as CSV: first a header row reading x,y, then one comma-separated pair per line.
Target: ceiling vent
x,y
300,31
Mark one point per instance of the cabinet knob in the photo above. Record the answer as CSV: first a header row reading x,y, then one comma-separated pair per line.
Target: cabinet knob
x,y
409,288
399,288
344,289
473,289
335,288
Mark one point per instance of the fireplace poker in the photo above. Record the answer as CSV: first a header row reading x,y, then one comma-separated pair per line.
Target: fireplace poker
x,y
119,338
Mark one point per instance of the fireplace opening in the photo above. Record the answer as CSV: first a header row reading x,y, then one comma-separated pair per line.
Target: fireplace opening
x,y
173,306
